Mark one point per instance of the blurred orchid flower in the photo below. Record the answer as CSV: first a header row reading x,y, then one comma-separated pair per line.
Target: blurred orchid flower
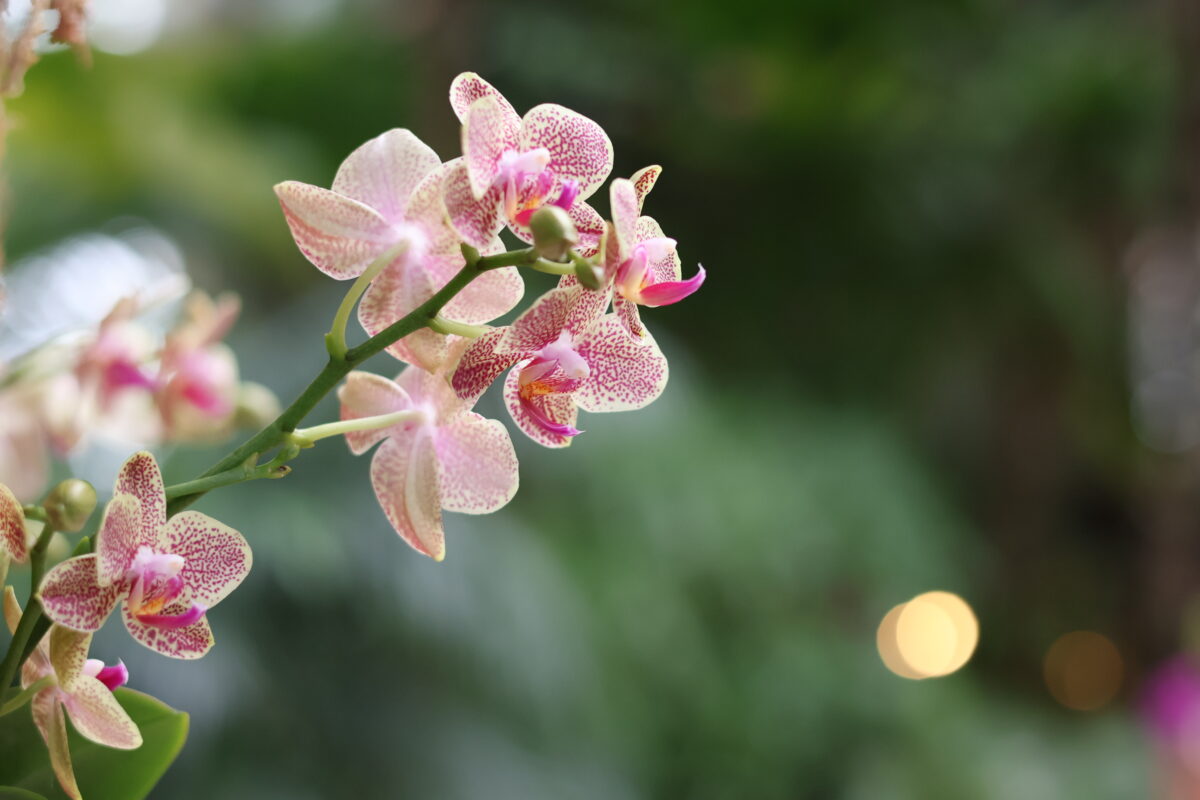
x,y
568,355
81,686
13,546
165,574
24,442
438,455
197,375
514,164
387,203
640,260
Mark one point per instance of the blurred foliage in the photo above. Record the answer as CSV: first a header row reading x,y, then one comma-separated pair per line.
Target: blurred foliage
x,y
905,372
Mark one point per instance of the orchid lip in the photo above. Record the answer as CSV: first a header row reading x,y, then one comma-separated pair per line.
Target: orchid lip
x,y
171,621
668,292
560,428
112,677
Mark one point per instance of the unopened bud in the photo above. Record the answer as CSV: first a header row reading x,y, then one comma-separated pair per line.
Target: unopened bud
x,y
553,231
590,275
256,406
69,505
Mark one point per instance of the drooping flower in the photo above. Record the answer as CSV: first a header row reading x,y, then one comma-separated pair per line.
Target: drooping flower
x,y
165,574
12,531
514,164
639,259
440,456
387,198
568,354
81,686
198,375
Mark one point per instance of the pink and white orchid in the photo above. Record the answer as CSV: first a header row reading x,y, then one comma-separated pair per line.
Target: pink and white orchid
x,y
568,354
437,455
81,686
165,574
515,164
639,259
387,203
198,375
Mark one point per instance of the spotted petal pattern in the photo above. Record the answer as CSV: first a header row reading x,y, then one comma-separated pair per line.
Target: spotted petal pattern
x,y
338,235
12,529
404,476
383,172
216,557
625,374
579,148
468,87
189,642
72,597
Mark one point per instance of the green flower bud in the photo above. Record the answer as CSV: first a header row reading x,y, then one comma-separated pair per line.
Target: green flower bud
x,y
553,232
69,505
588,274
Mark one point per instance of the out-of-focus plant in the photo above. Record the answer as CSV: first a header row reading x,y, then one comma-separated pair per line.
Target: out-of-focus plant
x,y
419,238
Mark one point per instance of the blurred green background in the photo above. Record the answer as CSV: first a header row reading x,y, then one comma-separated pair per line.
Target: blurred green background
x,y
948,341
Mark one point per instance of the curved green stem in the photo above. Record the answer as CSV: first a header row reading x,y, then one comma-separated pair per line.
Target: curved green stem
x,y
335,340
33,610
318,432
26,695
450,327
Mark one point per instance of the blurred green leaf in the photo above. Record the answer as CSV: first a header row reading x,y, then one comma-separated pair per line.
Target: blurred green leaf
x,y
13,793
102,772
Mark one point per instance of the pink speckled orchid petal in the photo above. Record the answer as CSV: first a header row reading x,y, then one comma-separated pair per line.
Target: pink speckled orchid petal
x,y
643,181
383,172
589,225
404,476
122,531
97,715
468,87
627,311
579,148
540,324
398,290
52,724
216,558
12,527
663,269
426,209
481,364
587,306
477,221
71,596
338,235
625,209
426,349
187,642
668,292
486,135
68,651
140,477
625,374
492,294
433,393
549,410
477,464
365,394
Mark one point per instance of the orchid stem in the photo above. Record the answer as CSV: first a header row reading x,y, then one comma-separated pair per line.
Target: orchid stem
x,y
318,432
335,340
450,327
553,267
33,610
26,695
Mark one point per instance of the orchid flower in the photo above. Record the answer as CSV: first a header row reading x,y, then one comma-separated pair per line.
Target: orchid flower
x,y
436,455
13,546
81,686
568,354
165,574
24,442
387,203
642,262
515,164
198,376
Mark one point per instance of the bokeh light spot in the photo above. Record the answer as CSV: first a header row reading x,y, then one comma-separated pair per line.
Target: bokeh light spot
x,y
1083,670
932,635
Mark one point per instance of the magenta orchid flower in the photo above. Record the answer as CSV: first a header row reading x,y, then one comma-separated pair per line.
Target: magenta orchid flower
x,y
81,686
639,259
437,455
165,574
514,165
568,354
387,202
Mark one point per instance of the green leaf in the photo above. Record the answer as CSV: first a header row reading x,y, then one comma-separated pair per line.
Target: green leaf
x,y
13,793
102,772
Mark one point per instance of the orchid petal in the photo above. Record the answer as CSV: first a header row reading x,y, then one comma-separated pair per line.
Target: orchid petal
x,y
12,527
365,394
338,235
643,181
404,476
216,557
625,374
481,364
668,292
383,172
432,392
12,609
486,135
551,420
71,596
97,715
587,306
491,295
477,465
189,642
425,208
122,532
627,310
68,652
625,208
476,220
540,324
140,477
468,87
579,148
667,267
50,722
398,290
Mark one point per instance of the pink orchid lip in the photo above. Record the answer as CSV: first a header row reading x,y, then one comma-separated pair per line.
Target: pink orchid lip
x,y
121,374
560,428
668,292
171,621
570,192
112,677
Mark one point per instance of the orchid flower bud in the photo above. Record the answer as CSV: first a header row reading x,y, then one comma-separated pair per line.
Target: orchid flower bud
x,y
553,231
69,505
